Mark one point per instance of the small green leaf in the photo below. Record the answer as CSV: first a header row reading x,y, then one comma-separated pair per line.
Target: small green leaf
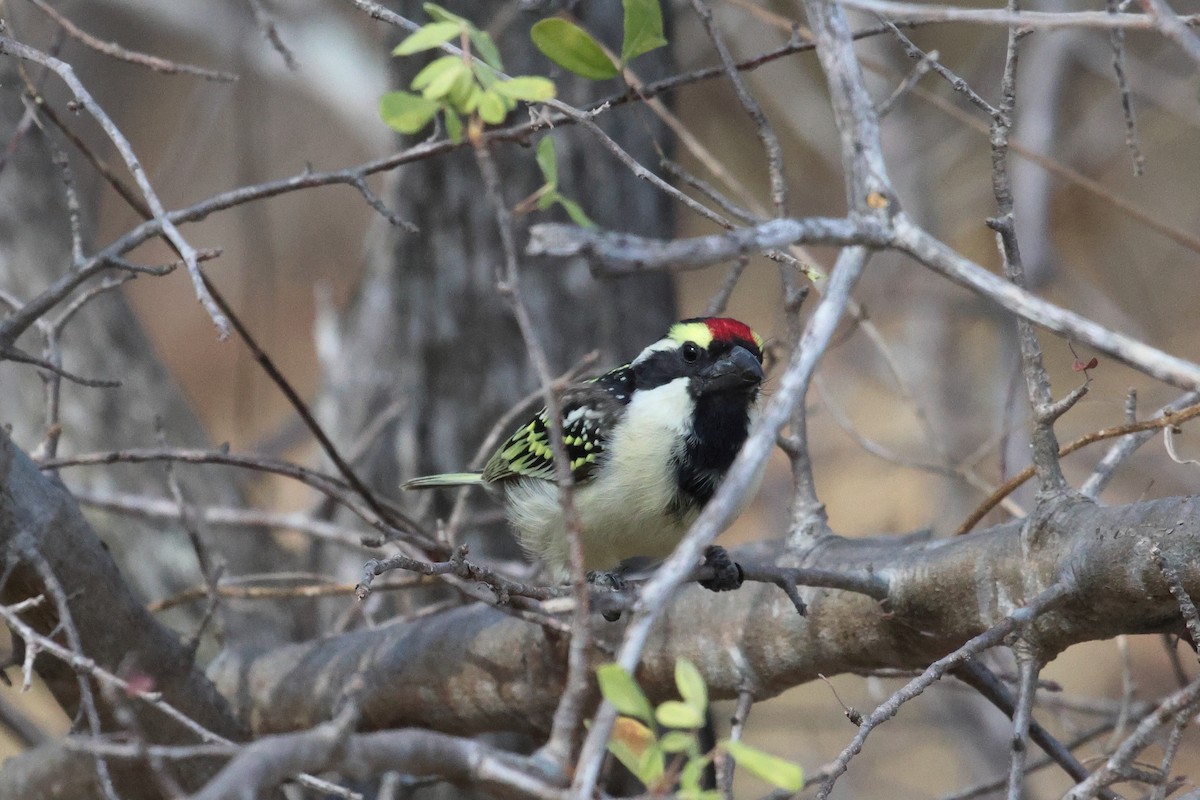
x,y
491,108
690,776
620,689
772,769
487,78
454,127
677,742
674,714
575,212
428,37
485,48
433,69
440,14
643,28
529,88
404,112
547,199
699,794
651,766
464,86
691,684
573,48
547,161
633,744
471,103
445,80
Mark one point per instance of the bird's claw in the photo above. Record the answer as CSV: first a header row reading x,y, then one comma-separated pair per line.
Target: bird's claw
x,y
727,573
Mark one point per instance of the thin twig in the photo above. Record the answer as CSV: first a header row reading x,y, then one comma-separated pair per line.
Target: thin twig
x,y
1182,701
1116,39
114,50
159,214
1168,419
766,134
1044,442
248,519
332,487
1029,667
266,24
989,638
910,13
567,716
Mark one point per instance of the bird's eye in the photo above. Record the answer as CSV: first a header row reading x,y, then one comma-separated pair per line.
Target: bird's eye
x,y
691,351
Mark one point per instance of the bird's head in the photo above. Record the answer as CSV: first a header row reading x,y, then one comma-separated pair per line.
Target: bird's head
x,y
717,355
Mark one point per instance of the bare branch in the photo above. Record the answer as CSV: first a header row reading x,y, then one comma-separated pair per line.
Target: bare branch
x,y
116,51
1045,20
1018,619
19,321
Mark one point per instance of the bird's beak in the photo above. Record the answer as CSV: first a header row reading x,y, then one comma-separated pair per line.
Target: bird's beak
x,y
739,370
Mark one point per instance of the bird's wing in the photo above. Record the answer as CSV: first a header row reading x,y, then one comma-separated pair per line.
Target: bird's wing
x,y
589,412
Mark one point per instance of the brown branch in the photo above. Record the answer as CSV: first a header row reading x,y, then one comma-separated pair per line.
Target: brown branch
x,y
1169,419
114,50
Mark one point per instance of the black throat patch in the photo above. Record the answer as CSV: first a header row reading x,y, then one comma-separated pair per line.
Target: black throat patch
x,y
720,425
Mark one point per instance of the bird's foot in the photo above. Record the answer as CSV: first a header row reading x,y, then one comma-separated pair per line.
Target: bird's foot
x,y
727,572
613,582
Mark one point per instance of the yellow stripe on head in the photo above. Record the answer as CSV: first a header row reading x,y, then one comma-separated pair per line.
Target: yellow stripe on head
x,y
698,332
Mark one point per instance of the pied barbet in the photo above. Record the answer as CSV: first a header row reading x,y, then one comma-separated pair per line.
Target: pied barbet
x,y
649,443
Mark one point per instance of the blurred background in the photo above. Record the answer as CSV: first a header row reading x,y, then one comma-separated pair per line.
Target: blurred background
x,y
919,407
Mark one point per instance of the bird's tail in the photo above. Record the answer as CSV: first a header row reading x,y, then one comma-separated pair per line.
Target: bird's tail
x,y
443,480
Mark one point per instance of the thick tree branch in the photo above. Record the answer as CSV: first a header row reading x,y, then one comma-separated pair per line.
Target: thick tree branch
x,y
475,669
115,631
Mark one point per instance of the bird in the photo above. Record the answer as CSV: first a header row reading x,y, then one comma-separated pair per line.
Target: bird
x,y
649,442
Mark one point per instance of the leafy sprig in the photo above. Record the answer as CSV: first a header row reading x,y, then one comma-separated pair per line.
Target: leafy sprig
x,y
458,86
672,755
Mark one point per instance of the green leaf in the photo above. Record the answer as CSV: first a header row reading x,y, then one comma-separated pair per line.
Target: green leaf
x,y
428,37
643,28
529,88
487,78
573,48
445,80
651,766
461,91
690,776
677,742
491,108
699,794
440,14
485,48
772,769
575,212
674,714
633,744
620,689
454,128
433,69
470,104
407,113
547,161
691,685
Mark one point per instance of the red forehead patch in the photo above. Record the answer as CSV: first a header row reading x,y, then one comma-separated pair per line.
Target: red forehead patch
x,y
725,329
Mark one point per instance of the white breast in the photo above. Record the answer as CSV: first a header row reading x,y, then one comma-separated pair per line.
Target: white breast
x,y
625,510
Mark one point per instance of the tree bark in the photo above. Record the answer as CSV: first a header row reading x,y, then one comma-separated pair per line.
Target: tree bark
x,y
476,669
116,632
